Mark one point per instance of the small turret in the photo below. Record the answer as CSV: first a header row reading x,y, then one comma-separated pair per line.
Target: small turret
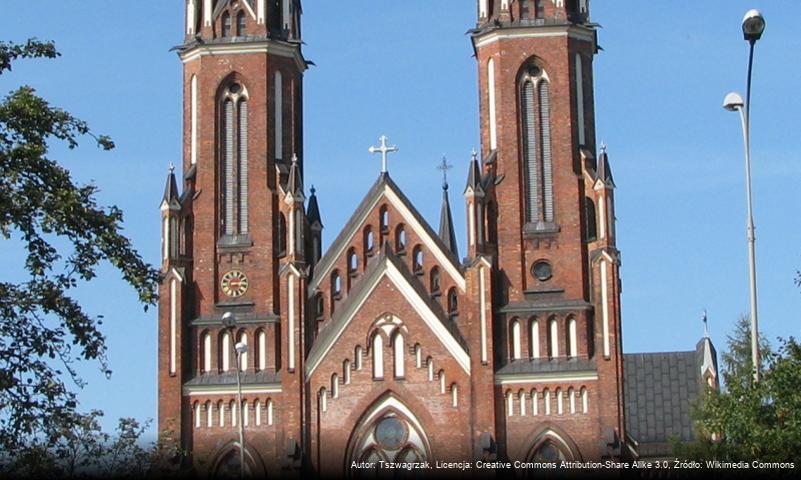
x,y
170,211
474,200
446,230
294,198
316,227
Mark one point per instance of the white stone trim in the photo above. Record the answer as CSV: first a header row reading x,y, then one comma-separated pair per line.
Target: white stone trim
x,y
291,315
207,13
418,304
173,325
546,377
573,32
260,11
493,125
193,95
482,302
605,306
257,389
224,49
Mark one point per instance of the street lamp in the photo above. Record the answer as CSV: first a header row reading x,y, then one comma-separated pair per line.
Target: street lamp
x,y
753,27
229,321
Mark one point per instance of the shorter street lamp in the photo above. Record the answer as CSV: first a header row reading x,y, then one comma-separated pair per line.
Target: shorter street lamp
x,y
229,321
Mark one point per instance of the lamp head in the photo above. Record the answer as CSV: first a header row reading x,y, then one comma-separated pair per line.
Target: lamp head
x,y
241,348
733,102
753,25
228,319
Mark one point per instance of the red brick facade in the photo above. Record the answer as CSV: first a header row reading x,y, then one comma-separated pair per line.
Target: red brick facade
x,y
388,346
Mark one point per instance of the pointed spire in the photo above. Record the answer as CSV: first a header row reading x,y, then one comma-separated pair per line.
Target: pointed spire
x,y
474,175
295,182
446,231
171,188
706,325
313,212
604,171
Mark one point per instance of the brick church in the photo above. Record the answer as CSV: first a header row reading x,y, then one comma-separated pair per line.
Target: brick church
x,y
390,345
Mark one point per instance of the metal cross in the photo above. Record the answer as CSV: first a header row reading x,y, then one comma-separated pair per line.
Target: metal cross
x,y
384,150
444,167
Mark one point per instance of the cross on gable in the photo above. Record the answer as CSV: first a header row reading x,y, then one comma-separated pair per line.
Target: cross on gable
x,y
444,167
384,150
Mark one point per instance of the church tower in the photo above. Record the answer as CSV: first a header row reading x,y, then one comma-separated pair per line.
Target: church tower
x,y
543,210
239,231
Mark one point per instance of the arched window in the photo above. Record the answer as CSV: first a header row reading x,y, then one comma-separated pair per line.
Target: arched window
x,y
515,337
269,412
539,9
280,235
197,414
417,260
319,308
559,400
353,263
323,399
225,352
430,366
418,356
234,414
441,376
455,395
257,408
378,357
383,219
453,303
234,160
221,412
585,403
336,285
435,281
536,131
572,341
240,24
358,354
592,219
534,338
245,413
369,242
553,338
243,357
226,24
546,400
261,339
397,351
571,398
335,386
206,352
510,404
521,396
400,239
346,372
535,407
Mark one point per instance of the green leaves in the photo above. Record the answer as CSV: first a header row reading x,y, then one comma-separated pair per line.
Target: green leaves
x,y
65,235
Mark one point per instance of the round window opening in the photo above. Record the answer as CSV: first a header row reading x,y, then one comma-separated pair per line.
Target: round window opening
x,y
534,71
390,433
234,88
542,271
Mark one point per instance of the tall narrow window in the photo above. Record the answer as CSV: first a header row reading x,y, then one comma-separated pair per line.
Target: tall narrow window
x,y
435,281
559,402
535,407
571,398
234,160
193,120
225,352
358,353
346,372
572,331
430,366
493,128
534,338
335,385
378,357
455,395
383,219
536,132
279,115
269,412
516,340
553,338
539,9
197,415
580,99
397,350
226,24
521,395
510,404
585,403
546,401
243,357
240,24
206,352
592,219
441,376
418,356
261,337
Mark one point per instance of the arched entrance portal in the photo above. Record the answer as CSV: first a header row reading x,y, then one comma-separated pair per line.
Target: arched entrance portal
x,y
387,432
226,466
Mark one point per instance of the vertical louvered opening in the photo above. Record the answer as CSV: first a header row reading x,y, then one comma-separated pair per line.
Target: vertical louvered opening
x,y
530,153
545,138
228,167
279,116
243,166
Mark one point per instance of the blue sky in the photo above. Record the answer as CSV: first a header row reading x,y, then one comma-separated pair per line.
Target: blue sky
x,y
405,69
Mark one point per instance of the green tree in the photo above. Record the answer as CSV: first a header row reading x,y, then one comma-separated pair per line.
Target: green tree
x,y
745,420
44,331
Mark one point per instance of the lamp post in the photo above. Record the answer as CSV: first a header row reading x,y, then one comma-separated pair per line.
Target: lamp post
x,y
229,321
753,27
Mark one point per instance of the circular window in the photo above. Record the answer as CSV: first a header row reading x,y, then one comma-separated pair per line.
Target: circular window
x,y
234,88
534,71
542,271
390,433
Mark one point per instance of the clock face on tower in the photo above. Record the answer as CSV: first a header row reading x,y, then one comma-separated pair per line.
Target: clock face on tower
x,y
234,283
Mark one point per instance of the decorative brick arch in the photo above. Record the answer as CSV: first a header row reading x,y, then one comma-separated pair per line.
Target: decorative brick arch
x,y
225,452
548,432
388,405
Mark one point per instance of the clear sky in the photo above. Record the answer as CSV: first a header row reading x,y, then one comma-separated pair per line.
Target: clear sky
x,y
405,69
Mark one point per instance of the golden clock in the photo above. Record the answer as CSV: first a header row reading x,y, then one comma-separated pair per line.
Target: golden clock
x,y
234,283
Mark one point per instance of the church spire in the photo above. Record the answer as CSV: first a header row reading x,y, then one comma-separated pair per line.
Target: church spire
x,y
446,230
171,188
